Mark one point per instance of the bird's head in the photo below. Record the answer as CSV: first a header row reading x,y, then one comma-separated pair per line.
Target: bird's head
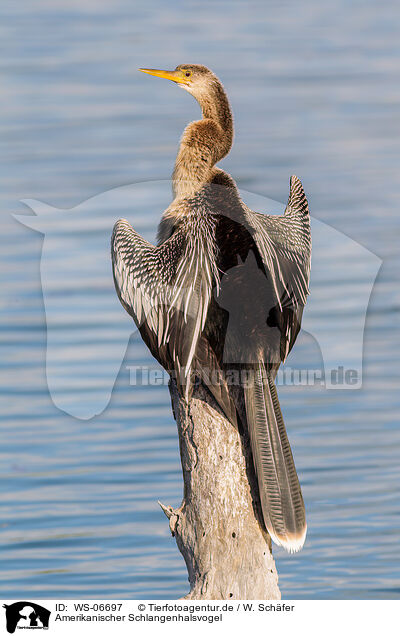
x,y
195,78
210,94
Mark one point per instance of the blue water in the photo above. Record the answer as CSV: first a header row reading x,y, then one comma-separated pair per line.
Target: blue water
x,y
315,91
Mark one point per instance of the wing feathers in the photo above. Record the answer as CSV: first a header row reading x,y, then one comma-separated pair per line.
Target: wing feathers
x,y
167,290
284,243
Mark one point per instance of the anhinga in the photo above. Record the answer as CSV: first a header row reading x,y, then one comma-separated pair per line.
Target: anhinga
x,y
224,291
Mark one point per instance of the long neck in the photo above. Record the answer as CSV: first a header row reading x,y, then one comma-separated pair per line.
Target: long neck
x,y
203,142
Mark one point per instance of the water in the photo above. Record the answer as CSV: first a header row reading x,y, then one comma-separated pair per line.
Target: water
x,y
315,91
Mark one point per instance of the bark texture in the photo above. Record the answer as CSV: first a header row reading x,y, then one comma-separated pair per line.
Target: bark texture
x,y
227,552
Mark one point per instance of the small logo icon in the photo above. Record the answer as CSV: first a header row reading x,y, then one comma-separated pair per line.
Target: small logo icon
x,y
26,615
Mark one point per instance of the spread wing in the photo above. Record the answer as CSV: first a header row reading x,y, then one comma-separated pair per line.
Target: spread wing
x,y
284,244
167,290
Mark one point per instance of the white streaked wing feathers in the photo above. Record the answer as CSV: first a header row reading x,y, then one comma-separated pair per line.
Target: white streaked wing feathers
x,y
165,285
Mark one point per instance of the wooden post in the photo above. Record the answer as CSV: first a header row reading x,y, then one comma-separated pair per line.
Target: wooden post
x,y
227,552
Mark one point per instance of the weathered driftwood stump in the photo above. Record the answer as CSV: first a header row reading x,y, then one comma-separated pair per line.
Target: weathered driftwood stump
x,y
227,552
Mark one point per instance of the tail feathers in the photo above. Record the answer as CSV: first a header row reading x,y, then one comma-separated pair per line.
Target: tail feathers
x,y
280,494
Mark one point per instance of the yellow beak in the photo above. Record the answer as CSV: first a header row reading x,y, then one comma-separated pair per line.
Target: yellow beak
x,y
174,76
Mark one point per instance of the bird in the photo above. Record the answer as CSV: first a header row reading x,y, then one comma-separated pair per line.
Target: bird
x,y
222,294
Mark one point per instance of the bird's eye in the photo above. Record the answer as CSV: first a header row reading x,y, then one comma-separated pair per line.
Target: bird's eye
x,y
188,73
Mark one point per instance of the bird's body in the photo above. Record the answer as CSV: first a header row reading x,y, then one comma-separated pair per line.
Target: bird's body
x,y
221,296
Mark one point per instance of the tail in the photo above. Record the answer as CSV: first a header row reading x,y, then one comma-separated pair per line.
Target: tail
x,y
280,494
